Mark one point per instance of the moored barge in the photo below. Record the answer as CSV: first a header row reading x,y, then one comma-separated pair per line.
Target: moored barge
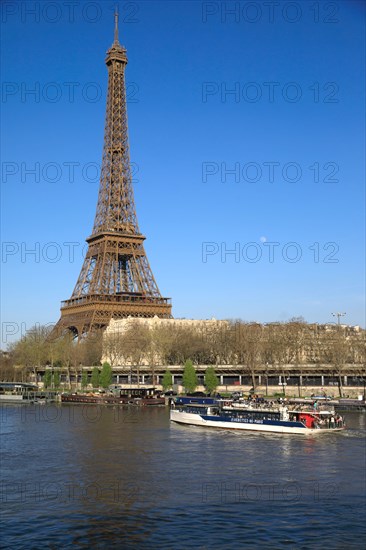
x,y
119,396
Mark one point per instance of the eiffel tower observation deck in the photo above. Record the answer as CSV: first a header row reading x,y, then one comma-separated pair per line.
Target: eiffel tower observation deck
x,y
116,280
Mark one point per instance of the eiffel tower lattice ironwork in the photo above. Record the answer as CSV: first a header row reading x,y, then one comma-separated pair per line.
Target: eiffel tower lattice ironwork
x,y
116,280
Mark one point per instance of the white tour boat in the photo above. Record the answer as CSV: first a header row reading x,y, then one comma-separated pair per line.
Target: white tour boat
x,y
263,418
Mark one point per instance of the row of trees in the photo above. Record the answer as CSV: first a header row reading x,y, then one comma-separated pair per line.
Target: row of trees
x,y
251,346
190,379
98,379
234,343
35,350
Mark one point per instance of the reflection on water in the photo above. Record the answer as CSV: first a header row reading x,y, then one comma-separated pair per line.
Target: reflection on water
x,y
86,476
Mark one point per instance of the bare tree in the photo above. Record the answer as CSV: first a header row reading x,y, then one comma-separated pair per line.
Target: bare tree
x,y
8,372
91,348
135,345
112,347
335,350
33,350
249,347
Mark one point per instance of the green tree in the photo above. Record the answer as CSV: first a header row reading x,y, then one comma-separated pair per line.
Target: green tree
x,y
106,375
56,380
84,379
211,380
95,377
47,379
190,380
167,381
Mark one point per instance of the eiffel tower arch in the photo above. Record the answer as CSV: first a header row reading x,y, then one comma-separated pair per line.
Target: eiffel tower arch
x,y
116,280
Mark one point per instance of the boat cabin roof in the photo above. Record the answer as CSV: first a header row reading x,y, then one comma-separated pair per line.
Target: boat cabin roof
x,y
4,386
199,405
313,413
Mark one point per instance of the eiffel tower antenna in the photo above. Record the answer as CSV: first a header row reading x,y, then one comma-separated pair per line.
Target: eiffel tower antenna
x,y
116,280
116,15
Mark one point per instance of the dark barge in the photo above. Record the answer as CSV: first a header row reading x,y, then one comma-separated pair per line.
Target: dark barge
x,y
147,396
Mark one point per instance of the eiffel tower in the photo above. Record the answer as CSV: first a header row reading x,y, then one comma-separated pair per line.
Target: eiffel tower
x,y
116,280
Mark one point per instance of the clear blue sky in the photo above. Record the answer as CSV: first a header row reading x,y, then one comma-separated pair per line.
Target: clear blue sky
x,y
293,132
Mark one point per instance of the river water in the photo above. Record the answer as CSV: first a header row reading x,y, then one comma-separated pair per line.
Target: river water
x,y
99,477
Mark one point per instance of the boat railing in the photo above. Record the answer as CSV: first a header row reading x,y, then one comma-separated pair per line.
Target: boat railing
x,y
329,423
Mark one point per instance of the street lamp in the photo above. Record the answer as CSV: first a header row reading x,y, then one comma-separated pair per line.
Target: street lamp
x,y
283,383
339,315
